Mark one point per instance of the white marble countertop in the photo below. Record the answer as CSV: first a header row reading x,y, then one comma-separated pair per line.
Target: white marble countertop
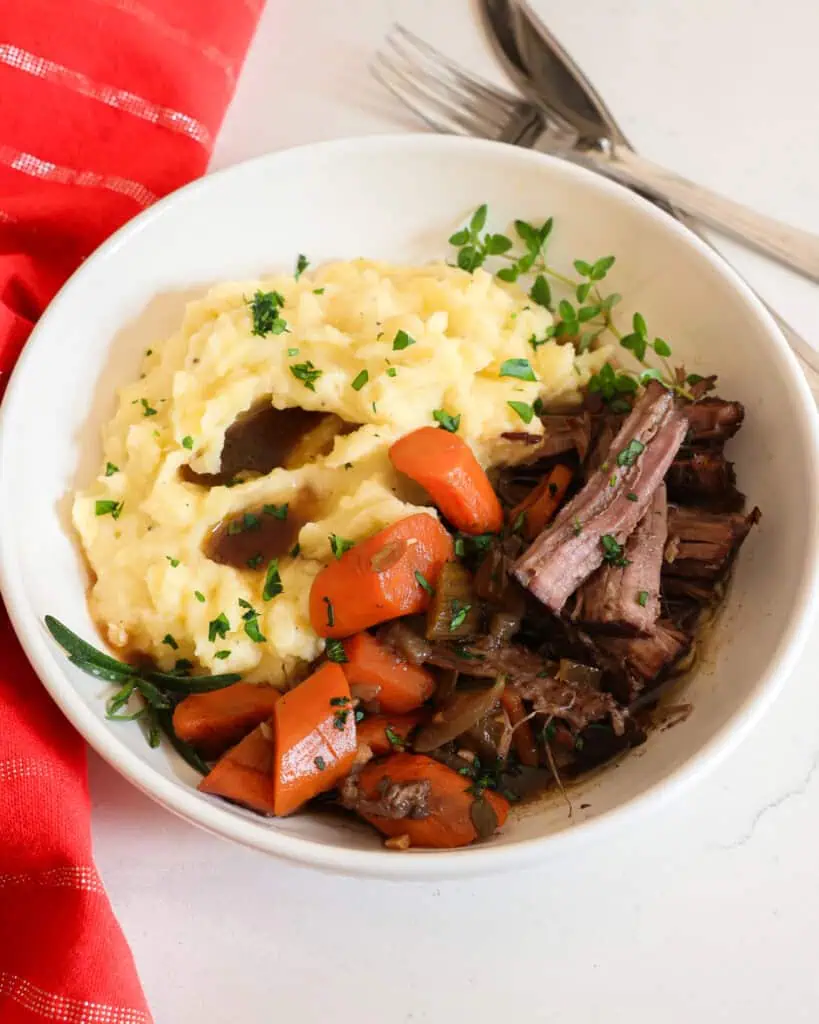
x,y
709,910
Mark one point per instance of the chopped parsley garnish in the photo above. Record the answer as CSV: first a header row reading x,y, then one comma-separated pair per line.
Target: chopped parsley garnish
x,y
424,582
266,307
402,340
110,469
339,545
628,456
339,702
248,521
169,641
307,374
393,738
318,291
526,412
320,763
450,423
108,508
392,371
334,649
272,581
632,496
199,596
613,553
187,442
520,519
292,351
642,598
302,263
459,614
250,617
519,368
218,627
577,526
255,561
340,719
147,410
173,561
477,543
221,655
278,511
360,380
331,617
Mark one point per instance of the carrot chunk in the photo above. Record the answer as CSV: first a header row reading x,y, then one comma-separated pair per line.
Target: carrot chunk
x,y
539,506
378,673
372,731
315,738
380,578
213,722
446,468
453,818
523,738
244,774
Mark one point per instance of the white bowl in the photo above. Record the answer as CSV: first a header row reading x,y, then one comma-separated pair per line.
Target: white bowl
x,y
399,198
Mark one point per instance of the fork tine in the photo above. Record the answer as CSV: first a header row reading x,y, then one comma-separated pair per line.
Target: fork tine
x,y
473,82
448,115
436,70
401,74
445,128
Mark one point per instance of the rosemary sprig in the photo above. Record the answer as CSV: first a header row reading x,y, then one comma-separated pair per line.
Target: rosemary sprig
x,y
158,691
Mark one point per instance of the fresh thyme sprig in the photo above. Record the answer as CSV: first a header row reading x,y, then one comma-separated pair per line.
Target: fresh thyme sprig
x,y
582,315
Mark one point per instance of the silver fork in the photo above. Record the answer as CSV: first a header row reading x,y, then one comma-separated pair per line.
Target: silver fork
x,y
453,101
448,98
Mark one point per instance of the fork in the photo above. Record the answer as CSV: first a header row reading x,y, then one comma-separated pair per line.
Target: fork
x,y
453,101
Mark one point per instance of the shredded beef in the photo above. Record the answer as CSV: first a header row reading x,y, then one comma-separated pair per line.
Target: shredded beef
x,y
610,504
625,600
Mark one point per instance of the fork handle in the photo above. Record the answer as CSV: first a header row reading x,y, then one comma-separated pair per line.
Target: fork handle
x,y
794,247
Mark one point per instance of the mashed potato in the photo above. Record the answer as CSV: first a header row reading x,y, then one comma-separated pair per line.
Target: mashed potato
x,y
155,590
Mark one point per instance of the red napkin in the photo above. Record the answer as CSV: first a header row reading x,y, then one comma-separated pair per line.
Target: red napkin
x,y
105,105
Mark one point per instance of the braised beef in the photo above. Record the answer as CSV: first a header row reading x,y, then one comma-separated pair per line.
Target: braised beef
x,y
713,419
701,544
678,588
641,661
492,581
395,800
599,519
533,678
625,599
704,478
607,426
564,433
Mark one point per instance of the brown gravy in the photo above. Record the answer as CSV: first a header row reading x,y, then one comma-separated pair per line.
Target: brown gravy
x,y
249,539
264,438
